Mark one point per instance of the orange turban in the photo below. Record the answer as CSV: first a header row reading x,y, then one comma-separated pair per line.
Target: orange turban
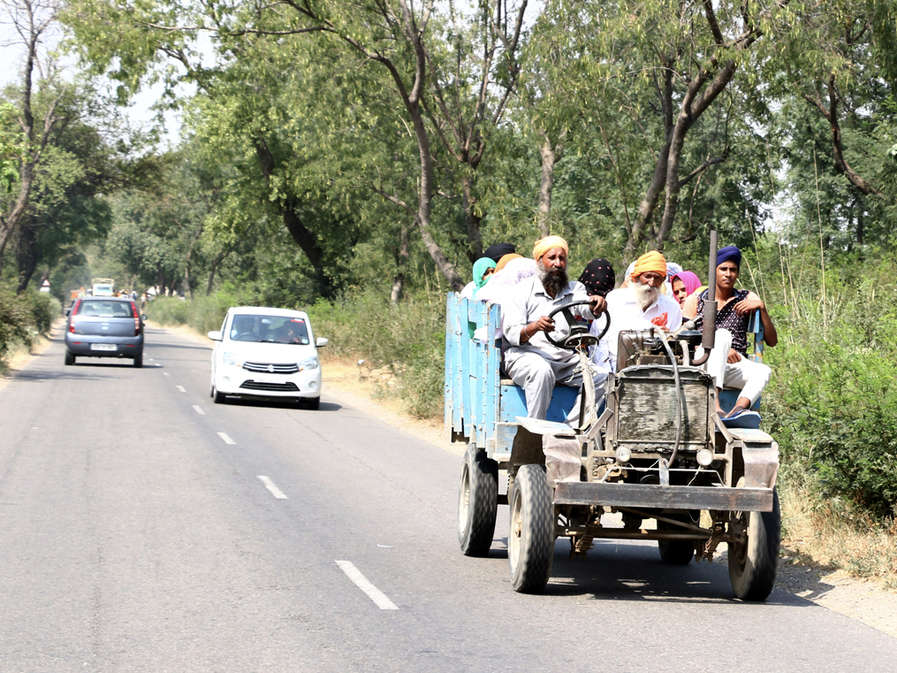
x,y
504,259
650,261
549,243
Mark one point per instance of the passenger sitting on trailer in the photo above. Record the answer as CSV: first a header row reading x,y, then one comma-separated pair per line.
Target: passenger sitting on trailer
x,y
531,361
599,278
640,304
728,363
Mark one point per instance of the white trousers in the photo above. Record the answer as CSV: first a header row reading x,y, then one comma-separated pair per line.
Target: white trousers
x,y
538,376
748,376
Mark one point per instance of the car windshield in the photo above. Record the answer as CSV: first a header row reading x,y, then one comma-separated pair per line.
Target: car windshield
x,y
269,329
105,309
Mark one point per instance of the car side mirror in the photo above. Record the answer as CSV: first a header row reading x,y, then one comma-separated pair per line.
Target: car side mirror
x,y
215,335
320,342
143,317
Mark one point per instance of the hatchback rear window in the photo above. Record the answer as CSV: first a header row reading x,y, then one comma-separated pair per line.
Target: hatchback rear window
x,y
97,308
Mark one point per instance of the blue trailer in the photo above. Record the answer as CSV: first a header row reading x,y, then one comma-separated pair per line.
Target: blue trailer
x,y
658,450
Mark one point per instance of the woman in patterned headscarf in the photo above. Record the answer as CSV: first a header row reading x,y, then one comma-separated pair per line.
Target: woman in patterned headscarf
x,y
598,277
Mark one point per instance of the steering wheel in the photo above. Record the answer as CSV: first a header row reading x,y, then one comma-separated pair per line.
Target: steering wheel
x,y
579,335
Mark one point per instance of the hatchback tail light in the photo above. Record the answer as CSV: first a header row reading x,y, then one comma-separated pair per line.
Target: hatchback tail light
x,y
136,319
72,314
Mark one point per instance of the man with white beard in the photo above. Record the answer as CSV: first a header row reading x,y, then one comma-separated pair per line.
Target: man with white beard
x,y
532,361
641,305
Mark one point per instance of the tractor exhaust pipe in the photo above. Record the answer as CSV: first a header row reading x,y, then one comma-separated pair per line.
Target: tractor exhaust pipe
x,y
709,328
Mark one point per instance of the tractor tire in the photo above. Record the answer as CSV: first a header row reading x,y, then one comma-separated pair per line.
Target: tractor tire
x,y
477,502
531,533
675,552
752,563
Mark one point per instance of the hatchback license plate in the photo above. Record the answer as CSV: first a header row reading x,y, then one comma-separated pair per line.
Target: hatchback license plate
x,y
103,347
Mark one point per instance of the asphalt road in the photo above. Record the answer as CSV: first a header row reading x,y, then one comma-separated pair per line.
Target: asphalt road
x,y
144,528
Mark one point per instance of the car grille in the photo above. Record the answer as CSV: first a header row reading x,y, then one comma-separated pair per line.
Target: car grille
x,y
289,386
271,368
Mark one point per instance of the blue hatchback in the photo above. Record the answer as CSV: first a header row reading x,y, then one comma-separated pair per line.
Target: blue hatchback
x,y
105,327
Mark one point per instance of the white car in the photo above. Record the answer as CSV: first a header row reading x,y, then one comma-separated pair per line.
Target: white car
x,y
266,353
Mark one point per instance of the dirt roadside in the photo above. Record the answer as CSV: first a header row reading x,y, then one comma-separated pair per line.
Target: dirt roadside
x,y
358,387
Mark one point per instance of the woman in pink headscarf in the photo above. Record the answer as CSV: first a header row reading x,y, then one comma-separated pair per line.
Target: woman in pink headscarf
x,y
684,283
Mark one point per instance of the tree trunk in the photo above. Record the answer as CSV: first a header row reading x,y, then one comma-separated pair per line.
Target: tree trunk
x,y
398,282
547,152
474,237
27,255
692,107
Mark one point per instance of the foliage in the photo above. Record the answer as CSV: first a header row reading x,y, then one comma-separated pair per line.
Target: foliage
x,y
833,395
15,321
408,340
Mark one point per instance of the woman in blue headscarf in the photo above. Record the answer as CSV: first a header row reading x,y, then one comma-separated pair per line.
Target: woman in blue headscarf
x,y
482,270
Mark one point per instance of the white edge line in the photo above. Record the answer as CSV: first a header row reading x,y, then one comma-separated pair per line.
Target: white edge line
x,y
198,410
181,388
165,374
380,599
225,438
271,486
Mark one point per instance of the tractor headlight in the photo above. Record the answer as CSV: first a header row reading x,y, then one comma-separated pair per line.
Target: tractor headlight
x,y
704,457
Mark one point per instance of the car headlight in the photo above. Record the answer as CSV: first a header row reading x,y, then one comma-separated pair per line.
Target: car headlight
x,y
229,359
308,364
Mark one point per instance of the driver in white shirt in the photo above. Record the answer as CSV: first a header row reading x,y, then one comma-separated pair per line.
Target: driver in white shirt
x,y
641,304
534,363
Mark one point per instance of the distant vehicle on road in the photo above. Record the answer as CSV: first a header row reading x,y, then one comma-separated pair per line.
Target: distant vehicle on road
x,y
264,352
103,287
104,327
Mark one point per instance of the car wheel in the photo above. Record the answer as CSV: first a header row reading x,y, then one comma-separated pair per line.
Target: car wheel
x,y
216,396
69,358
313,402
477,502
138,360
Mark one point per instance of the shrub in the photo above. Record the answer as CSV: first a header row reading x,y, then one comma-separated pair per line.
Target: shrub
x,y
168,310
408,339
44,307
833,396
16,320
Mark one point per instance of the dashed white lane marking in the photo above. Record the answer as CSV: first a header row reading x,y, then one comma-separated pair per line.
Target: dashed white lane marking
x,y
271,486
165,374
381,600
181,388
198,410
225,438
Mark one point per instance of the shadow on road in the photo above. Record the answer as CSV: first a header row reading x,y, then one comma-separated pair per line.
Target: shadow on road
x,y
281,404
634,572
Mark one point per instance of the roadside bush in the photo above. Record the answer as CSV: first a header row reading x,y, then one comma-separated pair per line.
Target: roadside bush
x,y
44,307
16,320
408,340
168,310
833,397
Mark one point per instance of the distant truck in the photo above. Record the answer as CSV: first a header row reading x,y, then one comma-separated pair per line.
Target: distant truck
x,y
103,287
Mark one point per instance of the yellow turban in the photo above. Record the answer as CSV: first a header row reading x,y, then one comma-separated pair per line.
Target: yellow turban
x,y
504,259
650,261
549,243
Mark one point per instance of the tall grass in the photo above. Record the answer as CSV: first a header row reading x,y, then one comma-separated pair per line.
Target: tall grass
x,y
407,339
